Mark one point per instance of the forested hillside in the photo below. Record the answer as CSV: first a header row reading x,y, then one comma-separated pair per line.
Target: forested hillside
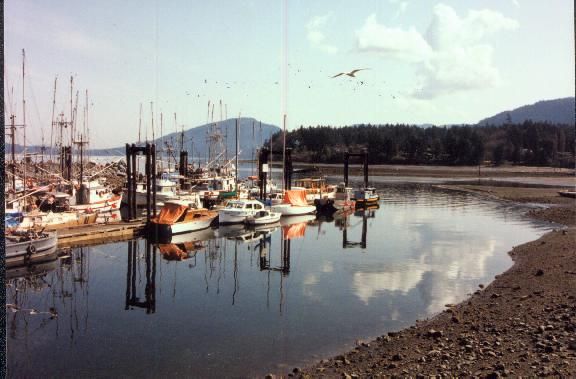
x,y
531,143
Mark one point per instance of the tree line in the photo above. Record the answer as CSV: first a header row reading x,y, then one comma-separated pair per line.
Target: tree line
x,y
529,143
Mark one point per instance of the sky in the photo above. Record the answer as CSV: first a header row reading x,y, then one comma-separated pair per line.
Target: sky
x,y
424,62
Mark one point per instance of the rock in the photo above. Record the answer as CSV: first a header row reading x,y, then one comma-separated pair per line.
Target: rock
x,y
270,376
435,333
481,285
296,370
539,272
495,296
397,357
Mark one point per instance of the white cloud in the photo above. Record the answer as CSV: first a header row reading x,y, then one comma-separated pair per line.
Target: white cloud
x,y
394,42
452,56
316,27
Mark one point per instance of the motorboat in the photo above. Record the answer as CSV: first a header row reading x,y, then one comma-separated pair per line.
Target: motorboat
x,y
236,211
179,217
263,217
366,196
294,204
29,246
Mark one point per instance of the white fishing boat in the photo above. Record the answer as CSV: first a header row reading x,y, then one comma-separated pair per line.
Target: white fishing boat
x,y
236,211
26,247
263,217
95,195
179,217
343,197
294,204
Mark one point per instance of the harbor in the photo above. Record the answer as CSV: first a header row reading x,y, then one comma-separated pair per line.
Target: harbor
x,y
289,190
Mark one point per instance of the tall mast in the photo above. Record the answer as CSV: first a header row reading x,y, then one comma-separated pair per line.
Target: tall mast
x,y
71,111
53,111
237,148
284,150
140,125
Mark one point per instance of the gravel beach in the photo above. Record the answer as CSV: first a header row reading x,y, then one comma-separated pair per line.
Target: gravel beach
x,y
521,324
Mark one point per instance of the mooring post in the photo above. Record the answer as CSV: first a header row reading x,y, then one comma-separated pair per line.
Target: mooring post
x,y
364,228
288,169
134,153
365,168
346,162
153,179
148,175
129,183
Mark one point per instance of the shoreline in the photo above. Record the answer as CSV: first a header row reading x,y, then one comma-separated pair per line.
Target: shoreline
x,y
522,323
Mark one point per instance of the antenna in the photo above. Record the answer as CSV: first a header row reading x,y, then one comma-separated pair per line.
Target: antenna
x,y
140,124
53,111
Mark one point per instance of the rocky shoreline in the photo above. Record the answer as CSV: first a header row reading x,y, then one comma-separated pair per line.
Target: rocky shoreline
x,y
522,324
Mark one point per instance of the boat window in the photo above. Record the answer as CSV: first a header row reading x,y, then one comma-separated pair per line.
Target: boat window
x,y
248,206
257,206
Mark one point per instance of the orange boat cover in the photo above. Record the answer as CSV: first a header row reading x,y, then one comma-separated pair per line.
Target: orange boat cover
x,y
295,197
170,213
294,231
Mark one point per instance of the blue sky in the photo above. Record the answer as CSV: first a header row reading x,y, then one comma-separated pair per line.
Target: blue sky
x,y
428,61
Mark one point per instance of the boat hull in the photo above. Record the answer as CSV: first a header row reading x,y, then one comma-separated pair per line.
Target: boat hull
x,y
293,210
33,251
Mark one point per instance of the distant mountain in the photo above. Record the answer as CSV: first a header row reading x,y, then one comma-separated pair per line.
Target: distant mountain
x,y
558,111
195,140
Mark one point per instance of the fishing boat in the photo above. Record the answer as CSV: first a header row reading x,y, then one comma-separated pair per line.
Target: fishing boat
x,y
180,217
96,196
343,197
29,246
315,188
294,204
263,217
366,196
56,220
236,211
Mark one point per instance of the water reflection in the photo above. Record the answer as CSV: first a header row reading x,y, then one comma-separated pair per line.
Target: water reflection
x,y
192,305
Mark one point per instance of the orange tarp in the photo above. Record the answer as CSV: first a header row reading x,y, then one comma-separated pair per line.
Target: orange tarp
x,y
295,197
294,231
170,213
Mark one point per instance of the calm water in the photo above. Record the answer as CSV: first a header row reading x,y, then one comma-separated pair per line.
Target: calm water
x,y
248,303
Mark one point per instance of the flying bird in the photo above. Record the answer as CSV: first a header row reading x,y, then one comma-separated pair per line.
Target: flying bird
x,y
351,73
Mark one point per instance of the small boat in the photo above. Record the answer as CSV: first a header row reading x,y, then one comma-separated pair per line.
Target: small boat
x,y
343,197
237,211
295,204
179,217
366,196
29,246
263,217
571,194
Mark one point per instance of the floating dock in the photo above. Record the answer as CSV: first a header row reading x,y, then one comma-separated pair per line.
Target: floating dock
x,y
100,233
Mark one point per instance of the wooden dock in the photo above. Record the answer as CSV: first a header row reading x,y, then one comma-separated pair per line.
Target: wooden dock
x,y
100,233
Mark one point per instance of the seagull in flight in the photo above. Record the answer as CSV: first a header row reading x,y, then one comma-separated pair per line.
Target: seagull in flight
x,y
351,73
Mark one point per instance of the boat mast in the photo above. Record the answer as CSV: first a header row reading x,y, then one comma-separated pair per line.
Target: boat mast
x,y
24,117
140,125
53,111
237,148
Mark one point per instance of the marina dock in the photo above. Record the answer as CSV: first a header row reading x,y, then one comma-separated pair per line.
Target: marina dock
x,y
99,233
